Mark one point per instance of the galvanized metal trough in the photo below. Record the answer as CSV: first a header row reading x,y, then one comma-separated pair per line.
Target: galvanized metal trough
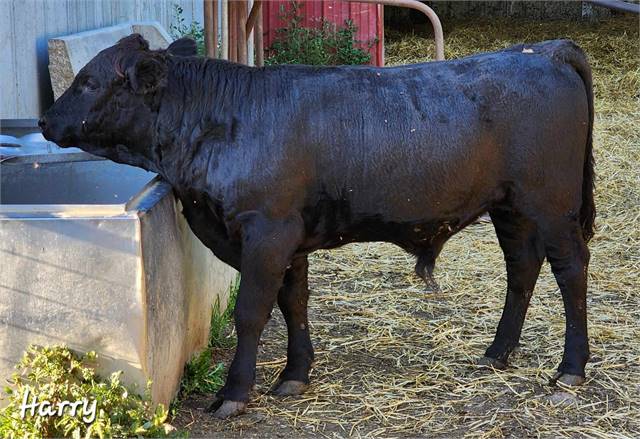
x,y
97,255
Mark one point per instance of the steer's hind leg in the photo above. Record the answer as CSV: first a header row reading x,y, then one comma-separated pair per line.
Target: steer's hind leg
x,y
292,300
569,258
267,249
523,254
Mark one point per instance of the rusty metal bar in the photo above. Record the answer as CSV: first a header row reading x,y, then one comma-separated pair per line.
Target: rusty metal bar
x,y
233,31
209,31
381,27
426,10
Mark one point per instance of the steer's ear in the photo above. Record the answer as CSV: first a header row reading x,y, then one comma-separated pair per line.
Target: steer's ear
x,y
134,41
146,73
183,47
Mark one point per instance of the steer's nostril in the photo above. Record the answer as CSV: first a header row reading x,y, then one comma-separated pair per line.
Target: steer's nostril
x,y
42,123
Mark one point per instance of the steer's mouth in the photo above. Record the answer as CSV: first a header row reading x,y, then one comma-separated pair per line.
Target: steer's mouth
x,y
62,142
64,137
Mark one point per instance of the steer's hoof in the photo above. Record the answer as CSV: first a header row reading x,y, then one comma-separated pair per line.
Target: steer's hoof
x,y
492,362
223,409
289,388
567,379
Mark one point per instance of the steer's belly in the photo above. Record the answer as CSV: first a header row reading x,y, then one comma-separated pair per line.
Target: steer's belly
x,y
428,224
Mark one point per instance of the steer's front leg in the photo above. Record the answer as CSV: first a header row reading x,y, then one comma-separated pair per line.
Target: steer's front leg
x,y
268,246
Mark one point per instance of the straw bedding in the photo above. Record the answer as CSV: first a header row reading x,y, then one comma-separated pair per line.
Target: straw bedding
x,y
394,359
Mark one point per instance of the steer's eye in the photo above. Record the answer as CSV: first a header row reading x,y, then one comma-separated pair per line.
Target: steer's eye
x,y
90,85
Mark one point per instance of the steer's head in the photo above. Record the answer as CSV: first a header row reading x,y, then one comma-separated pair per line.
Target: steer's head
x,y
110,107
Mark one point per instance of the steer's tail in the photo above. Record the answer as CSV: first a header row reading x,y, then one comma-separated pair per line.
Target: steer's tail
x,y
567,52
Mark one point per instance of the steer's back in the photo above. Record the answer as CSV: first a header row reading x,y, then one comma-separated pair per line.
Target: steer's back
x,y
365,153
432,140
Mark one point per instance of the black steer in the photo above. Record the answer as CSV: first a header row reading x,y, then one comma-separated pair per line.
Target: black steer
x,y
273,163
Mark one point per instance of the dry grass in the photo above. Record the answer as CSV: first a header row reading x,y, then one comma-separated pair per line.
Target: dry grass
x,y
393,359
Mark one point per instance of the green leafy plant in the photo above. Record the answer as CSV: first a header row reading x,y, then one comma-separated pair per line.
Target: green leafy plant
x,y
201,374
179,29
56,374
326,45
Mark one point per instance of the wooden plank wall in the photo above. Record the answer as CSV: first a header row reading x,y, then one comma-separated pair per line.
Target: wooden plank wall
x,y
26,25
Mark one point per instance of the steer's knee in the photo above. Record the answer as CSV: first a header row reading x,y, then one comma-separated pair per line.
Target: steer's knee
x,y
250,320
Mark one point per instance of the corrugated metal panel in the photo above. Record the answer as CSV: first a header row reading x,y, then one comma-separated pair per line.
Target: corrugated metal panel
x,y
7,56
26,25
366,17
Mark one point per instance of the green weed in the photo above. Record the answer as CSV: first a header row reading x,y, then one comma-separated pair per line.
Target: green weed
x,y
194,30
326,45
203,375
55,374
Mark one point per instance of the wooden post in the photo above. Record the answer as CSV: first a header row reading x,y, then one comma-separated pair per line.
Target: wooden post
x,y
210,36
242,31
258,37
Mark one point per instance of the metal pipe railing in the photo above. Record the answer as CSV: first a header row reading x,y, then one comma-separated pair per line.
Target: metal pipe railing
x,y
426,10
254,23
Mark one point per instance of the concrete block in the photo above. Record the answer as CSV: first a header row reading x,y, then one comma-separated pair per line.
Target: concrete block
x,y
153,32
68,54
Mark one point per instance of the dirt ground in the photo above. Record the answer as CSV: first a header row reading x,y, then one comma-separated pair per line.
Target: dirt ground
x,y
396,360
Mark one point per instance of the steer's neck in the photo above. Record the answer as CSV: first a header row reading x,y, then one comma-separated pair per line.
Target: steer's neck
x,y
203,89
203,103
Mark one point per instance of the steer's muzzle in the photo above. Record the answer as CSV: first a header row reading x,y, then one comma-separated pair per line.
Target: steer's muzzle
x,y
42,123
56,132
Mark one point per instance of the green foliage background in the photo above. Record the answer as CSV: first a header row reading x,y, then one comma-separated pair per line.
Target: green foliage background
x,y
326,45
194,30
